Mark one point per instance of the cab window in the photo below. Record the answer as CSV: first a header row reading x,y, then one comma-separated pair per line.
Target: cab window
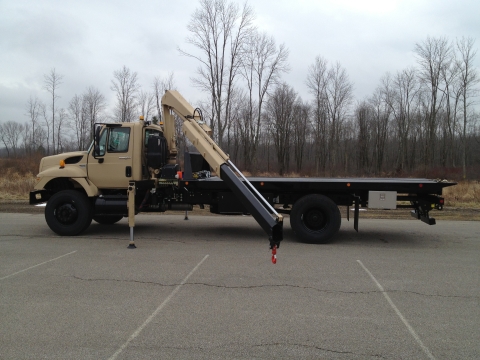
x,y
118,139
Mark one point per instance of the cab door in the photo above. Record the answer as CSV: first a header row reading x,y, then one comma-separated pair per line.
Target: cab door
x,y
112,167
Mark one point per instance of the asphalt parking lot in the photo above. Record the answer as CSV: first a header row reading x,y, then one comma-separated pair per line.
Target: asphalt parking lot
x,y
206,289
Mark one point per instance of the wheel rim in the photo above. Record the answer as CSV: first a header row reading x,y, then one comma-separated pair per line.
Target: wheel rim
x,y
314,219
66,213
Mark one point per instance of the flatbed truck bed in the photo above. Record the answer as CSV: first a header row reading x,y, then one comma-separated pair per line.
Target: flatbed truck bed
x,y
312,203
401,185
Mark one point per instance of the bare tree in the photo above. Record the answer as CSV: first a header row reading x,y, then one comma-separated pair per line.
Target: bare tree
x,y
126,87
400,93
347,141
300,127
433,55
468,81
146,104
77,111
34,107
160,85
3,138
363,116
241,121
338,93
48,125
280,114
61,122
332,93
10,134
317,80
235,136
84,111
41,136
52,82
262,65
219,30
94,103
381,120
451,90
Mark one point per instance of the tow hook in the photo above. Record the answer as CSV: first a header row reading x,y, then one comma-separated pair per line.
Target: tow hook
x,y
274,254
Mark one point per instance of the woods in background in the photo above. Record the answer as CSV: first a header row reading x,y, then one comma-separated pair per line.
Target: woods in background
x,y
421,120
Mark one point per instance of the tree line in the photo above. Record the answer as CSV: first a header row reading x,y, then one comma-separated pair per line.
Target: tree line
x,y
418,120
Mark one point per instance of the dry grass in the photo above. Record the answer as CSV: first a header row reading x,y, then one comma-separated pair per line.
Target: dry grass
x,y
466,194
14,186
17,177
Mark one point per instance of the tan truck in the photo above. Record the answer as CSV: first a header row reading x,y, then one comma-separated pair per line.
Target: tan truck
x,y
132,168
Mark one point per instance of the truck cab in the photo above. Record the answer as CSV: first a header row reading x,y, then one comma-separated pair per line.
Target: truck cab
x,y
116,157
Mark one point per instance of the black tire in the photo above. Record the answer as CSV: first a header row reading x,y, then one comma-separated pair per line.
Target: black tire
x,y
68,212
107,219
315,219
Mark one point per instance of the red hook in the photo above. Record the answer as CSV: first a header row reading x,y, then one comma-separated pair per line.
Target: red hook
x,y
274,254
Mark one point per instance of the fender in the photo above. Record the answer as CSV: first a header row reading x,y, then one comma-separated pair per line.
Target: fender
x,y
69,171
72,172
89,188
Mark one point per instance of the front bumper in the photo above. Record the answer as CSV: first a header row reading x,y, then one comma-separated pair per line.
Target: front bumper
x,y
39,196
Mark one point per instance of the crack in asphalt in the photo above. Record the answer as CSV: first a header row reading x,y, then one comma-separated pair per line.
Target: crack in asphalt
x,y
287,344
432,295
279,286
321,349
24,236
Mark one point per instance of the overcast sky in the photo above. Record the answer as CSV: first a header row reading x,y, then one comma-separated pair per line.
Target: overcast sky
x,y
86,41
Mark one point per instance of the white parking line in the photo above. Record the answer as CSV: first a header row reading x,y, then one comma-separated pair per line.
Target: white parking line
x,y
157,310
409,327
34,266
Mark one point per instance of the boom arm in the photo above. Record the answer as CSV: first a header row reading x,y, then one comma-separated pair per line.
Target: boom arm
x,y
198,134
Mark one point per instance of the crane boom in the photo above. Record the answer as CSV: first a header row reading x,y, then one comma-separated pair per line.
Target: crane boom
x,y
199,135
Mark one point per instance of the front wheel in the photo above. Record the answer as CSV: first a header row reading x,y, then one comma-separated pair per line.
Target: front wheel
x,y
68,212
315,218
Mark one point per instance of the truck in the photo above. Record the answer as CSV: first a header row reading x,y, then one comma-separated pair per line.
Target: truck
x,y
132,168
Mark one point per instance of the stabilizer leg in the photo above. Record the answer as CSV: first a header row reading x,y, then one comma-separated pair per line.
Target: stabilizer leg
x,y
131,213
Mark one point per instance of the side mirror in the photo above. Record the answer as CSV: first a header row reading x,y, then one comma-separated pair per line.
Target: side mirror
x,y
96,140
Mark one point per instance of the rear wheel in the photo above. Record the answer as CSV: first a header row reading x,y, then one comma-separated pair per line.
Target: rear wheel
x,y
315,218
68,212
107,219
